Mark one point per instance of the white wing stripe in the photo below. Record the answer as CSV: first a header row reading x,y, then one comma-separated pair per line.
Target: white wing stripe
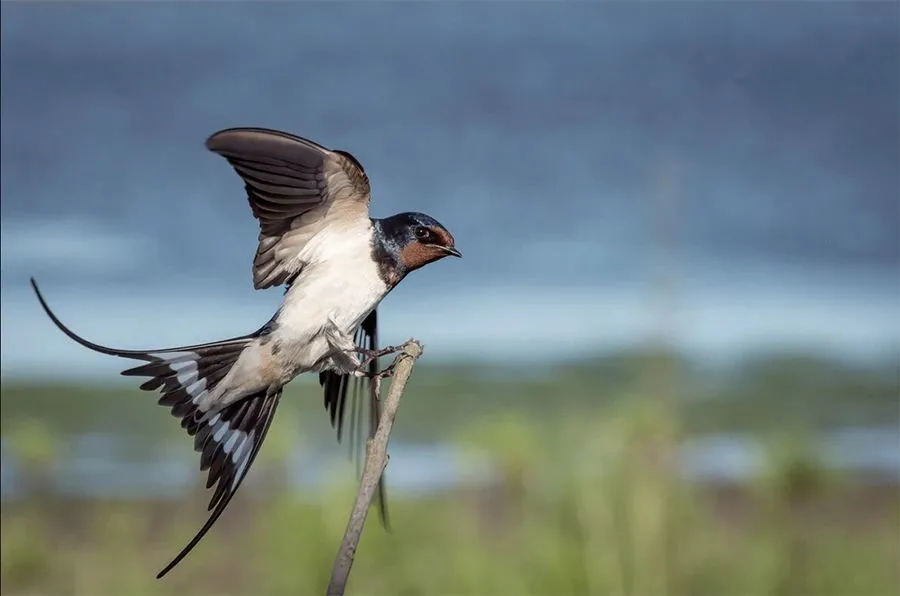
x,y
196,390
245,459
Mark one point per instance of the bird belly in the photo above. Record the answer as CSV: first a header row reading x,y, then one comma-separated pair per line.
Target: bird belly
x,y
335,295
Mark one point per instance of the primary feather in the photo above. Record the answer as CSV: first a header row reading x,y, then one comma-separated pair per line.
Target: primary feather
x,y
296,188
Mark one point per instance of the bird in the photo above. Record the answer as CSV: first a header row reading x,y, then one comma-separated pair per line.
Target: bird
x,y
336,264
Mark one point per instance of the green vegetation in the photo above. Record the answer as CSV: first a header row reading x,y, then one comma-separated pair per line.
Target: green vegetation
x,y
763,393
585,501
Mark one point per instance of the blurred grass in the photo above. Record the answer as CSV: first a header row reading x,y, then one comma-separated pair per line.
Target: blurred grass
x,y
586,500
760,393
585,505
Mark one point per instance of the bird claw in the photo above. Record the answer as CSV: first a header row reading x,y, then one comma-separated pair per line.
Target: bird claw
x,y
378,377
370,355
385,373
382,374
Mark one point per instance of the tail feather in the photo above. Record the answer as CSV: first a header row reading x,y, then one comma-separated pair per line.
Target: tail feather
x,y
184,374
186,377
148,355
227,438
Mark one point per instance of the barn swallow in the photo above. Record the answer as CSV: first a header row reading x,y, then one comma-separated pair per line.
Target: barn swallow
x,y
316,238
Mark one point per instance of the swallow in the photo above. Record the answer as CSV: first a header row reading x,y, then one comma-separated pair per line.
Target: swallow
x,y
337,264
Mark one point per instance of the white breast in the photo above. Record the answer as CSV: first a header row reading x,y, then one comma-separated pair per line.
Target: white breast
x,y
339,281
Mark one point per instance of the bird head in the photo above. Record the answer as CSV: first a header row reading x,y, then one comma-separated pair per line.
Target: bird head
x,y
421,240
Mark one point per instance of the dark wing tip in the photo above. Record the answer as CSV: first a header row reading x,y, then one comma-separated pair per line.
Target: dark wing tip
x,y
243,138
223,138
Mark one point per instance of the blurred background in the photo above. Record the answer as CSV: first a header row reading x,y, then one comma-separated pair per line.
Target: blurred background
x,y
666,365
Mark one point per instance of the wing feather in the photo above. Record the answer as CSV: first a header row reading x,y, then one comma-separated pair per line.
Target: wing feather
x,y
296,188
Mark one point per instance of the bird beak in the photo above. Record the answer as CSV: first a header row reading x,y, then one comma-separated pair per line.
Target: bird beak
x,y
451,250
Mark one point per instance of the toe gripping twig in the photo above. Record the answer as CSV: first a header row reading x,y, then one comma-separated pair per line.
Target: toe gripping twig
x,y
370,355
376,461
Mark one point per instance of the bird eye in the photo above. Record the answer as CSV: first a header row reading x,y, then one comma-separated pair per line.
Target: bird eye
x,y
422,233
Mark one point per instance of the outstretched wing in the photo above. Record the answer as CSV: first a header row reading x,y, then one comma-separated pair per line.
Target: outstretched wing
x,y
336,388
296,188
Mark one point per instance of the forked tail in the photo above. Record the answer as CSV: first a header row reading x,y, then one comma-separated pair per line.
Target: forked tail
x,y
185,374
228,438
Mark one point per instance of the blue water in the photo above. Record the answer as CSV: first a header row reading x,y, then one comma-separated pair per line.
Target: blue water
x,y
89,467
724,176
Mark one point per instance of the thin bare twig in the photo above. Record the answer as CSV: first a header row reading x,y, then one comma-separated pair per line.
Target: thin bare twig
x,y
376,462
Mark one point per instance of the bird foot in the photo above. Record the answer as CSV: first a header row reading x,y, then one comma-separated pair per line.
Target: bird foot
x,y
376,376
370,355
